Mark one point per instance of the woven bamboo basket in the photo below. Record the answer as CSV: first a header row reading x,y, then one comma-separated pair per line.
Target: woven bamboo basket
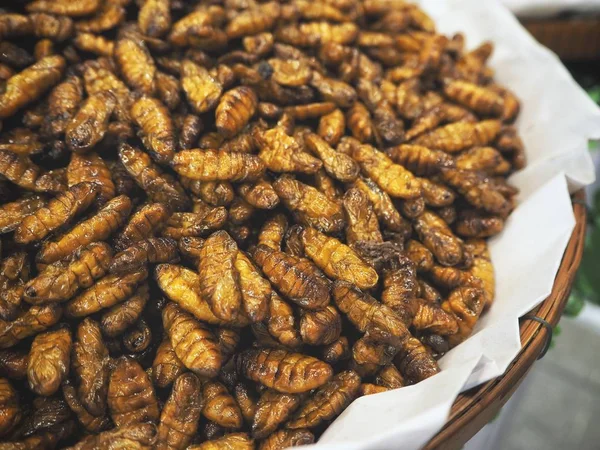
x,y
473,409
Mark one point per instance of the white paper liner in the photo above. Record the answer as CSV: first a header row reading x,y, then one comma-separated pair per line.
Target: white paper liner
x,y
547,8
556,121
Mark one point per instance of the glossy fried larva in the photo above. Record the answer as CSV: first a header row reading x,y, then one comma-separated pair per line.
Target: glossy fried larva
x,y
368,315
97,228
35,320
259,194
273,408
136,64
180,414
478,99
332,126
30,84
219,281
458,136
414,361
49,360
466,304
283,153
12,214
60,281
59,211
478,190
89,125
337,260
362,224
231,441
420,160
485,159
143,224
151,250
63,103
154,18
168,91
255,290
92,43
254,20
213,165
296,278
110,14
309,205
392,178
435,194
123,315
286,372
246,400
131,397
15,25
435,234
472,223
89,422
10,409
382,204
194,344
390,377
229,339
328,402
20,170
156,128
259,44
419,255
133,436
359,123
166,366
91,168
309,111
272,232
235,109
433,319
64,7
370,389
13,364
281,322
98,79
400,288
190,127
482,267
337,351
160,187
202,90
367,353
340,166
220,407
107,292
321,327
283,439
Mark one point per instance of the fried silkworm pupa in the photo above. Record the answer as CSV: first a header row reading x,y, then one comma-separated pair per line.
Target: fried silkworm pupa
x,y
220,407
91,423
286,372
296,278
229,339
59,211
235,109
159,186
472,223
390,377
414,361
107,292
148,220
34,321
478,99
91,43
246,401
293,241
332,126
259,194
237,441
420,255
420,160
482,267
194,344
49,360
137,338
136,435
213,165
255,290
157,131
281,322
190,127
370,389
400,288
10,409
180,414
458,136
328,402
13,364
273,408
340,166
91,168
168,90
154,18
382,204
60,281
97,228
62,7
283,439
257,19
136,64
259,44
123,315
321,327
436,195
439,239
131,397
89,125
30,84
12,214
63,103
359,122
91,367
366,352
20,170
202,90
283,153
146,251
272,232
485,159
361,220
430,318
309,205
166,366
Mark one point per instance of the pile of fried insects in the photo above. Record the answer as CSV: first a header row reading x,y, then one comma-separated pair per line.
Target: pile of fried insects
x,y
222,221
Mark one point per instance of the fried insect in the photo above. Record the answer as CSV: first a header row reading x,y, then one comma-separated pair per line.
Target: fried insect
x,y
200,29
60,281
309,205
202,90
13,364
59,211
136,64
283,153
228,341
482,267
235,109
97,228
123,315
321,327
193,343
400,288
143,224
107,292
220,407
390,377
166,366
143,252
64,7
281,322
254,20
154,18
431,318
156,128
88,421
328,402
91,168
12,214
362,224
49,359
160,187
272,232
20,170
131,397
286,372
466,303
282,439
439,239
91,367
30,84
255,290
10,409
231,441
485,159
458,136
478,99
91,43
63,103
213,165
359,122
259,194
134,436
338,165
332,126
272,410
34,321
180,414
89,125
420,160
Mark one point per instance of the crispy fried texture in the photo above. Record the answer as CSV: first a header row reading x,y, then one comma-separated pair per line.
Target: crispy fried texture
x,y
10,410
202,90
131,397
154,18
91,168
88,421
12,214
213,165
134,436
272,410
64,7
332,127
194,344
89,125
136,64
180,414
320,327
362,224
123,315
400,288
296,278
166,366
156,128
13,364
35,320
92,43
272,232
63,103
231,441
286,372
20,170
256,290
283,153
246,400
439,239
143,224
254,20
281,322
220,407
340,166
235,109
458,136
420,160
49,360
431,318
260,194
141,253
382,204
414,361
287,438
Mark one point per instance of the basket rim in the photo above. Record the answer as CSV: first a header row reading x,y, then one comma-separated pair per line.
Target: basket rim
x,y
473,409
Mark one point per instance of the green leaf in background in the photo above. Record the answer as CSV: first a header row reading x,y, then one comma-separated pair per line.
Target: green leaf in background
x,y
594,93
574,305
